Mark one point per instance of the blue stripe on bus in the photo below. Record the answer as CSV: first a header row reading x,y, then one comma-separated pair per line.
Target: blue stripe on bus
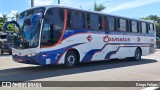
x,y
91,53
111,53
69,33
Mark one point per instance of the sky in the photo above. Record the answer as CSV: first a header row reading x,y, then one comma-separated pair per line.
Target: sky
x,y
127,8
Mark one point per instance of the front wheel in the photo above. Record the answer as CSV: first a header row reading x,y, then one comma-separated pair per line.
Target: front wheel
x,y
71,59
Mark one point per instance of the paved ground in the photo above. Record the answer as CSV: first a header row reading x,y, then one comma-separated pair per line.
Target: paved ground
x,y
115,70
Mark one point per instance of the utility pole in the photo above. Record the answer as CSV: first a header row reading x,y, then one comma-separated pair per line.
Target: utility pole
x,y
32,3
58,1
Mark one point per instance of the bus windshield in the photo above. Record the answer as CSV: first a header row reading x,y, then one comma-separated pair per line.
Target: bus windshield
x,y
26,36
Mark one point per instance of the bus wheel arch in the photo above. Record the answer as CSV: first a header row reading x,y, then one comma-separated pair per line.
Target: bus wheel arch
x,y
72,58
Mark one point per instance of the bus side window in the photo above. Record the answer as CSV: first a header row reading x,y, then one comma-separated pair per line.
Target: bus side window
x,y
110,23
52,27
94,21
151,29
77,20
144,27
47,35
134,26
122,24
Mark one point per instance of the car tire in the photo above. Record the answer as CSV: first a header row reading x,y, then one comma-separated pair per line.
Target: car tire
x,y
71,59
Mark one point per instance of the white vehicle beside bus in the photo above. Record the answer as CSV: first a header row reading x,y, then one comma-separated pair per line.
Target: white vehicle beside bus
x,y
62,35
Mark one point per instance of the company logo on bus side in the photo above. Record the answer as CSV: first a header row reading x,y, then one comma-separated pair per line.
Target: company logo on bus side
x,y
114,39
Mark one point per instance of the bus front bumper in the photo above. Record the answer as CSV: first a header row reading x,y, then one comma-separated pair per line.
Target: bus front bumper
x,y
25,59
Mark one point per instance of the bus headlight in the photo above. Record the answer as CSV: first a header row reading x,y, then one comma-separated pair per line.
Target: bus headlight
x,y
29,55
32,54
13,53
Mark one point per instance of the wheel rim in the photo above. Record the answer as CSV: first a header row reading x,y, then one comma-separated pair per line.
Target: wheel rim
x,y
71,59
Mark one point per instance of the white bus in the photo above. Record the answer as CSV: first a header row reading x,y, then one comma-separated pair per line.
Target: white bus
x,y
62,35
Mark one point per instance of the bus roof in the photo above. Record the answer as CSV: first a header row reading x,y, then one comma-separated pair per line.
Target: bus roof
x,y
61,6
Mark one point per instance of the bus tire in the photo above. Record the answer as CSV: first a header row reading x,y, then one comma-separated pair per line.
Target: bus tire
x,y
137,55
71,59
2,52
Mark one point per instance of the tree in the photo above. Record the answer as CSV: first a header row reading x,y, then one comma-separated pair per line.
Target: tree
x,y
10,27
99,7
4,17
16,16
154,18
1,26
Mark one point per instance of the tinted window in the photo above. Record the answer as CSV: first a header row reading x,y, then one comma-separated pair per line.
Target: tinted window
x,y
52,27
122,25
47,35
55,16
76,19
134,26
111,24
94,19
151,29
144,28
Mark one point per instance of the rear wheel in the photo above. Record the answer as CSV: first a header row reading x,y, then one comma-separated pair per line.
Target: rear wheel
x,y
2,51
71,59
137,55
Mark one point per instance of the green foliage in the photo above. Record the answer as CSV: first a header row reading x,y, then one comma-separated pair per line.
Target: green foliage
x,y
98,7
154,18
4,17
10,27
158,30
16,16
1,26
3,20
